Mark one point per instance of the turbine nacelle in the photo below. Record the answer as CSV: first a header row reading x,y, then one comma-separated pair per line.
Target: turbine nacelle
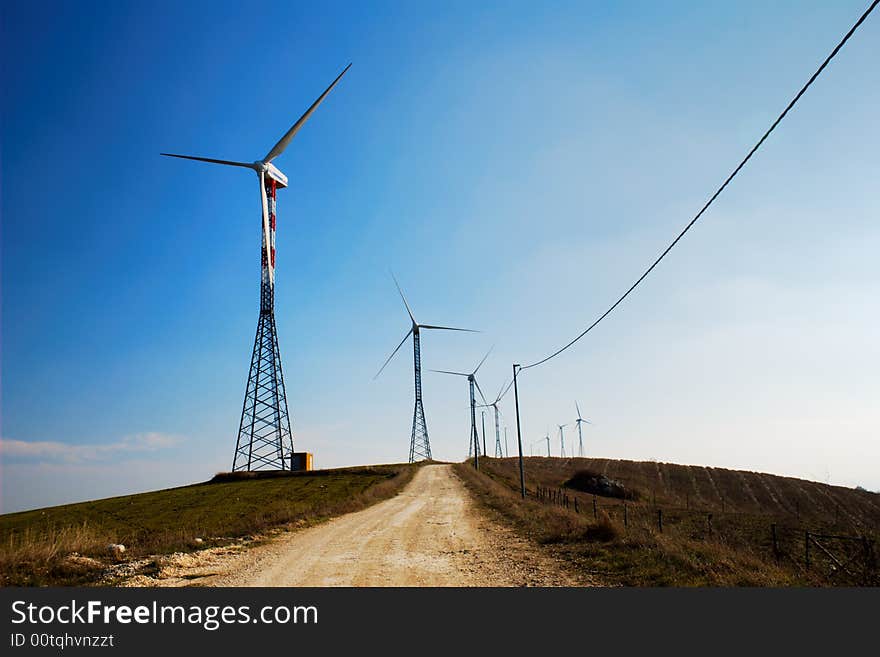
x,y
415,328
270,171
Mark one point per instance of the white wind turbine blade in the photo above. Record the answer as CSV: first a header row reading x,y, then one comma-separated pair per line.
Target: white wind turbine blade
x,y
506,390
484,359
266,233
446,328
402,296
448,372
578,409
482,396
278,148
408,333
246,165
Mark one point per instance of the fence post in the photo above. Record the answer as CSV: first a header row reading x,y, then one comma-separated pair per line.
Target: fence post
x,y
775,544
797,509
687,501
624,514
807,550
576,505
709,523
595,509
660,520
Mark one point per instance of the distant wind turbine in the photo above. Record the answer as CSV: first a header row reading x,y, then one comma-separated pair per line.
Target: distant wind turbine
x,y
472,382
495,405
419,445
562,440
579,422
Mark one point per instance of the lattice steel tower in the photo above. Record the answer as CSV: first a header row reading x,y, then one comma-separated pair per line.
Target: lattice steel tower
x,y
419,444
265,441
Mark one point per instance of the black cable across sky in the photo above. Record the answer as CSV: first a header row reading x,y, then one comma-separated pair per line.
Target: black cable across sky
x,y
717,192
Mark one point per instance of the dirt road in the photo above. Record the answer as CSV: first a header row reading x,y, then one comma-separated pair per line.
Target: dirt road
x,y
431,534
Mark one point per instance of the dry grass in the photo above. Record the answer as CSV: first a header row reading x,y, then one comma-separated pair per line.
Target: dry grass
x,y
715,490
67,545
686,553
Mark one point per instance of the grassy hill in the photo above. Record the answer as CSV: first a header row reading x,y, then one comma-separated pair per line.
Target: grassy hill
x,y
689,525
36,546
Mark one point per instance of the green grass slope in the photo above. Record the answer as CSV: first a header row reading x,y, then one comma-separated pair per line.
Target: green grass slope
x,y
35,546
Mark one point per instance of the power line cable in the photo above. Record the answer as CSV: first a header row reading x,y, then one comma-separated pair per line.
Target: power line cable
x,y
717,192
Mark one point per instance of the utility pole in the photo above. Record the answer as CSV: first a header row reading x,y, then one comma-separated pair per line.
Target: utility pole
x,y
483,420
522,476
474,426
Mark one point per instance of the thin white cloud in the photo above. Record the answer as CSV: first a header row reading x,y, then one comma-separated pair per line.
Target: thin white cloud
x,y
40,451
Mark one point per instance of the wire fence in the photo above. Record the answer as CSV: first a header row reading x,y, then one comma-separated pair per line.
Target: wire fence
x,y
816,552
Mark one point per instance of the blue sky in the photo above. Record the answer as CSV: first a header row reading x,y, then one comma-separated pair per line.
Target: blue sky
x,y
517,165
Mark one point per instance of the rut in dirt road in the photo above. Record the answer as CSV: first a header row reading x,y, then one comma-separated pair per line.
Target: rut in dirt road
x,y
431,534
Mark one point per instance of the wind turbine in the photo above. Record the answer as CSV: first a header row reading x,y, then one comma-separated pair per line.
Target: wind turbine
x,y
264,437
531,450
547,438
494,405
472,382
579,422
562,440
419,445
